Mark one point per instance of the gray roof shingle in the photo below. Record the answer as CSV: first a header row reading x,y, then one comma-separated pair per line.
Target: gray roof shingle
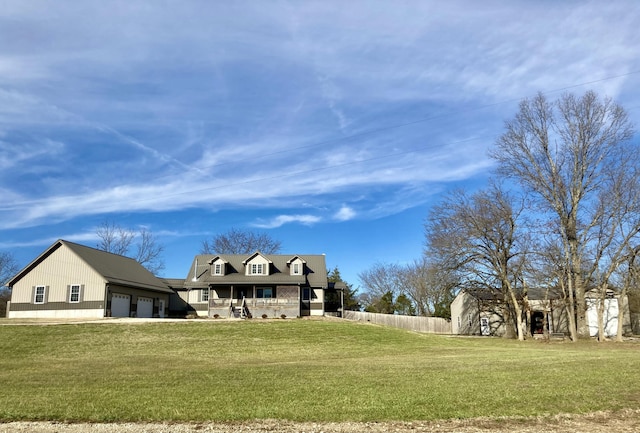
x,y
315,270
115,269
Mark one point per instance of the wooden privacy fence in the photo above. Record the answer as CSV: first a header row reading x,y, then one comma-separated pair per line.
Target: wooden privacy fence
x,y
430,325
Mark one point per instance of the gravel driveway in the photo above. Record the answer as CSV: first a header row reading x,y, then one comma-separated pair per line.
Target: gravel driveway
x,y
627,421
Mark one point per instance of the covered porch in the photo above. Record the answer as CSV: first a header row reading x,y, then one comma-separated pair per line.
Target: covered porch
x,y
244,301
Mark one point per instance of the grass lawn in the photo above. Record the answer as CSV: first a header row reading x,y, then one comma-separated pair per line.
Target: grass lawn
x,y
303,370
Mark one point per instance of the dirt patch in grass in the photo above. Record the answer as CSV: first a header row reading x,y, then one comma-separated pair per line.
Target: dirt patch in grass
x,y
625,421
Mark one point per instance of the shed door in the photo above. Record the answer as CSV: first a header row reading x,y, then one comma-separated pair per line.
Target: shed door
x,y
610,316
145,307
120,305
485,329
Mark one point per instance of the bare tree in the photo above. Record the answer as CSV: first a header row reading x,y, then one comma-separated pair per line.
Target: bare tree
x,y
562,153
547,273
381,285
237,241
478,236
430,287
8,268
149,251
616,226
118,240
114,238
630,287
427,287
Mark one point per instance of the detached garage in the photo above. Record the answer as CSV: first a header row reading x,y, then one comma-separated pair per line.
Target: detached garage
x,y
69,280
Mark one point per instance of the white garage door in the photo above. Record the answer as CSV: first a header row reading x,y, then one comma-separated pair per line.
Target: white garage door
x,y
145,307
120,305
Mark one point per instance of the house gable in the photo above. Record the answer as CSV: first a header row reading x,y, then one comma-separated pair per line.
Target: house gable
x,y
218,266
296,265
257,265
58,284
45,271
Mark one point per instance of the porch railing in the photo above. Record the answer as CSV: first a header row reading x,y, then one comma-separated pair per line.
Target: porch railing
x,y
252,302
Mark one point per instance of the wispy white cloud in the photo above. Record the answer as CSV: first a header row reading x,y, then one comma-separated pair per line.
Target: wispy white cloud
x,y
345,213
88,237
28,151
85,237
253,108
281,220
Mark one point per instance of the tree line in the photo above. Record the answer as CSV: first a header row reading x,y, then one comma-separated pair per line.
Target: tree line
x,y
562,212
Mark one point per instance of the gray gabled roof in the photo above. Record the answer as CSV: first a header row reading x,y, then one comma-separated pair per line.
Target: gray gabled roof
x,y
174,283
115,269
315,270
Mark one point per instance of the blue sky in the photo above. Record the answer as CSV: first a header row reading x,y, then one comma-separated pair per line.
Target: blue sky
x,y
333,126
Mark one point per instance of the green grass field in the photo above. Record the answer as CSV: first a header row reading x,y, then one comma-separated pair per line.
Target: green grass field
x,y
302,370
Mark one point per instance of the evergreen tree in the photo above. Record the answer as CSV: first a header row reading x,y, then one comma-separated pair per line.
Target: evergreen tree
x,y
350,297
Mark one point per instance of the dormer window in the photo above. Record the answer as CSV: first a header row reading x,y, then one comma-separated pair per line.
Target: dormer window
x,y
217,266
257,264
257,269
296,265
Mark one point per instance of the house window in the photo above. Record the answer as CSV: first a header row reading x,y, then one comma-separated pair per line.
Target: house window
x,y
296,268
257,269
74,293
264,292
38,297
218,269
306,294
205,295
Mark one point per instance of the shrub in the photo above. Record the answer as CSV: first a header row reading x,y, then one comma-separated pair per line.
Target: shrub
x,y
283,316
264,316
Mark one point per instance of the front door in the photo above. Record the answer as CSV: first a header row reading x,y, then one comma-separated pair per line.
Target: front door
x,y
161,308
537,322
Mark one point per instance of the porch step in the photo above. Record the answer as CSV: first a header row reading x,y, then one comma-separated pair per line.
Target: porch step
x,y
238,313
